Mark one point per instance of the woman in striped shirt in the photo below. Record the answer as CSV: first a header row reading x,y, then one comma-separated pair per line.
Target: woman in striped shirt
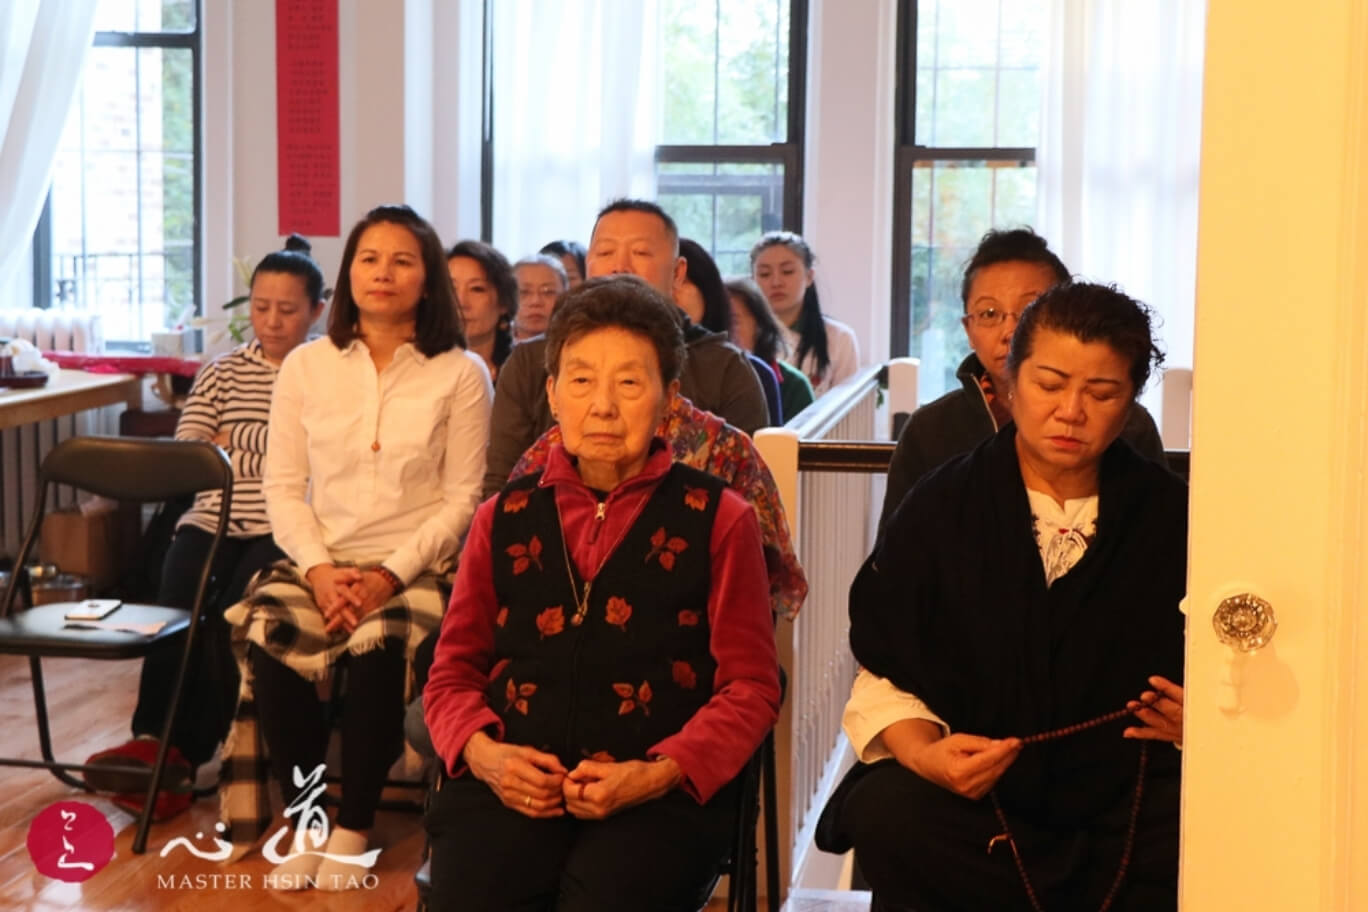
x,y
229,405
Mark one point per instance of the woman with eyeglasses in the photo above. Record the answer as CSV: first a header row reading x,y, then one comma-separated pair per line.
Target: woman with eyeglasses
x,y
1007,271
541,281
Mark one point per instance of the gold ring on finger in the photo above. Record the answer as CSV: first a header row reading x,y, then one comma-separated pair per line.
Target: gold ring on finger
x,y
527,800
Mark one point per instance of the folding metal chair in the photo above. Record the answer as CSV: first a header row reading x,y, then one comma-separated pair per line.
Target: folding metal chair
x,y
126,469
740,866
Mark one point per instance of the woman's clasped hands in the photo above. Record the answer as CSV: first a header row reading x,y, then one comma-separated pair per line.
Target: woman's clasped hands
x,y
345,595
525,779
536,784
594,790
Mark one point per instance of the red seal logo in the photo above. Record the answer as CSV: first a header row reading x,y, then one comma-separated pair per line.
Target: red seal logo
x,y
70,841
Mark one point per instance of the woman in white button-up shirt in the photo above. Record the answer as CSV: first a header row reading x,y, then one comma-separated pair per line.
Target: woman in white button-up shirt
x,y
373,468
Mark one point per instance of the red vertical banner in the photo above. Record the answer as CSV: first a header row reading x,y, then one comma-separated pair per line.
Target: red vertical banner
x,y
309,179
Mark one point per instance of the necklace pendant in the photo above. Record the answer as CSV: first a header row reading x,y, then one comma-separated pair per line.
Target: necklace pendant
x,y
581,606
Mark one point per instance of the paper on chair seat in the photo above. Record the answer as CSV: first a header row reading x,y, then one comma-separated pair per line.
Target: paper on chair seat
x,y
144,629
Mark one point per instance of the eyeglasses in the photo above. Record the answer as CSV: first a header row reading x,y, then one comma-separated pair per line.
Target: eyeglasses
x,y
990,317
545,291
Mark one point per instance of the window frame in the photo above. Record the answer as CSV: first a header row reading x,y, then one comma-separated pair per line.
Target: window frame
x,y
788,154
907,153
43,292
487,121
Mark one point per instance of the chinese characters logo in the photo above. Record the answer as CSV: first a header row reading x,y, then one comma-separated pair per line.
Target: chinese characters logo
x,y
70,841
310,830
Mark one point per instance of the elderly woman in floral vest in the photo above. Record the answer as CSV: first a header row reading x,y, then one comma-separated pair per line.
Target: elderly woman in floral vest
x,y
607,663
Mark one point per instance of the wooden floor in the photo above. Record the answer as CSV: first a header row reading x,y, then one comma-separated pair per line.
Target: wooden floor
x,y
90,704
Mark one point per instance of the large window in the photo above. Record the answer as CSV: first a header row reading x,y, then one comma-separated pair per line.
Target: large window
x,y
120,234
729,166
968,123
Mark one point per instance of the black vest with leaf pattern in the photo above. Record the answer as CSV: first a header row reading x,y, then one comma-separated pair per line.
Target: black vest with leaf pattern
x,y
636,667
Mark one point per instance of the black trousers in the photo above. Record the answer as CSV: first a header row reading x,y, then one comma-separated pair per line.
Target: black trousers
x,y
924,848
659,856
211,680
295,724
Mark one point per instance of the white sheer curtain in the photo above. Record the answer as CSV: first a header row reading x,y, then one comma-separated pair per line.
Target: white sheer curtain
x,y
576,116
1119,150
43,46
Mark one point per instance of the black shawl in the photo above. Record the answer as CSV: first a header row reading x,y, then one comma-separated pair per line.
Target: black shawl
x,y
952,606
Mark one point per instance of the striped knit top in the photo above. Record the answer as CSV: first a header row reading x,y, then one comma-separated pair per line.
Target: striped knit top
x,y
232,393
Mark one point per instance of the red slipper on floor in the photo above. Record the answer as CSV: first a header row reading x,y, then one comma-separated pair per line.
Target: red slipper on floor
x,y
140,752
168,805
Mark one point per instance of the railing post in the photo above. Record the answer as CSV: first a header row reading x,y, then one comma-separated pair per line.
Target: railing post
x,y
903,374
779,448
1176,404
829,517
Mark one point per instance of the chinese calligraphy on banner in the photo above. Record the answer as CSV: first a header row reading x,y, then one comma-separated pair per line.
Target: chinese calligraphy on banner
x,y
308,169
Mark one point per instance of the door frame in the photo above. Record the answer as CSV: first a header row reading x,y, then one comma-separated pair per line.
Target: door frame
x,y
1276,761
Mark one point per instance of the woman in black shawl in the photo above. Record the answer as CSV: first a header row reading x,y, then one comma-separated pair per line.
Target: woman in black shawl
x,y
1029,587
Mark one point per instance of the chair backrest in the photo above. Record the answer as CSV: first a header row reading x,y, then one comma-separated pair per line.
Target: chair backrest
x,y
138,468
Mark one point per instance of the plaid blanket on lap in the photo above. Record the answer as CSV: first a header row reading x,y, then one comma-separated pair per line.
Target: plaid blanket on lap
x,y
278,614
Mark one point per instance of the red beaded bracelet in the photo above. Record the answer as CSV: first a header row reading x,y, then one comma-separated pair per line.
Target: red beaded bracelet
x,y
390,577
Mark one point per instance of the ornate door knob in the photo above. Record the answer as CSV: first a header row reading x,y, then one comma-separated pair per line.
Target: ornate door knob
x,y
1244,622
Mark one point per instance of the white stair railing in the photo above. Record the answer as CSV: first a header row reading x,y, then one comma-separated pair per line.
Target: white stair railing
x,y
830,509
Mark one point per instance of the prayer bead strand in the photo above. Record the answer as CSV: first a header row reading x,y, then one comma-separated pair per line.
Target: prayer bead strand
x,y
1130,827
1076,728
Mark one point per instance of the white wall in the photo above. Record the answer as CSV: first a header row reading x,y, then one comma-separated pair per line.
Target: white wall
x,y
405,104
410,99
458,65
848,170
216,166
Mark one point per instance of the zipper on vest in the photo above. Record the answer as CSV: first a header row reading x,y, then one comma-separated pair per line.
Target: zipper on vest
x,y
574,693
600,514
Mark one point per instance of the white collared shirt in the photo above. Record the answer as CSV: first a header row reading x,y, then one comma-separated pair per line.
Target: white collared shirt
x,y
376,468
